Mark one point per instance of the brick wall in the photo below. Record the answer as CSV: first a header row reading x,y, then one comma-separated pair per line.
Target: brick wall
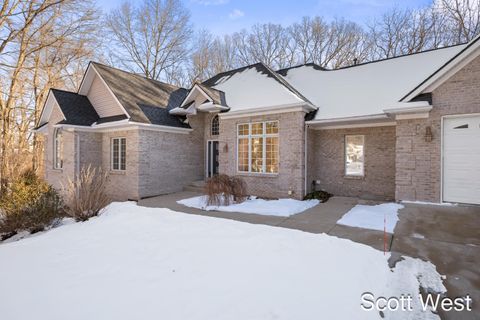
x,y
418,162
122,185
170,161
291,156
59,177
327,163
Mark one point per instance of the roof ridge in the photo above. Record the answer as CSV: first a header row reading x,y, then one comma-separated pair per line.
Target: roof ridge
x,y
280,71
231,71
286,84
136,74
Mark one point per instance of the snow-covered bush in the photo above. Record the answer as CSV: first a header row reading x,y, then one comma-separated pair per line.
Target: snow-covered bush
x,y
86,195
222,189
28,204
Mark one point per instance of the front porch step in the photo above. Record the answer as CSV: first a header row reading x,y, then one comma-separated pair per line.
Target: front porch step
x,y
196,186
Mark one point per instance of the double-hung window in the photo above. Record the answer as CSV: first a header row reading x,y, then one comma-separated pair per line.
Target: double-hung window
x,y
119,154
257,147
354,155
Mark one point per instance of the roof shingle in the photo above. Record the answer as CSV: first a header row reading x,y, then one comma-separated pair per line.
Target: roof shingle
x,y
145,100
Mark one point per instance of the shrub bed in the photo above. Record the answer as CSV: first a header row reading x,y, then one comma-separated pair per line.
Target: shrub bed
x,y
29,204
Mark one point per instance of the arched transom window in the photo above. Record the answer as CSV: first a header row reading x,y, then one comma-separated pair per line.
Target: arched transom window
x,y
215,126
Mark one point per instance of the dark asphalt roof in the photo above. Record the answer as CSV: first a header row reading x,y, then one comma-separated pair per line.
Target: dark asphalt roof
x,y
145,100
76,108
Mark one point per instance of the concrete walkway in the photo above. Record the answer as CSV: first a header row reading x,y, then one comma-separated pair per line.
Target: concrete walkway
x,y
448,236
319,219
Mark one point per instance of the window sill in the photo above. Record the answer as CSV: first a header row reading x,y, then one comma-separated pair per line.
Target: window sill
x,y
57,170
257,174
352,177
118,172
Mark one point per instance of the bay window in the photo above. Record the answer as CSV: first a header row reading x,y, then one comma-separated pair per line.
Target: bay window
x,y
257,147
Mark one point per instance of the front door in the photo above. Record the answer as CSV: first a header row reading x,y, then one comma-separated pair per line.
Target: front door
x,y
212,158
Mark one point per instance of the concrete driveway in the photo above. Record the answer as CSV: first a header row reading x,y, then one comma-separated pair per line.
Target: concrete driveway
x,y
448,236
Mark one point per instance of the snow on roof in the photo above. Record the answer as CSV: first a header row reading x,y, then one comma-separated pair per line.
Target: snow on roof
x,y
254,87
369,88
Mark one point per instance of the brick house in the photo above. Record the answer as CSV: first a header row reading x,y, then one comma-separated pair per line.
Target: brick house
x,y
405,128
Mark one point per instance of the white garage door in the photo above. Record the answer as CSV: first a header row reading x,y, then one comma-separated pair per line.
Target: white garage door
x,y
461,159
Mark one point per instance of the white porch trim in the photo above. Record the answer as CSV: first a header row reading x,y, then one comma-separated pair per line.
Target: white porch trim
x,y
124,126
251,112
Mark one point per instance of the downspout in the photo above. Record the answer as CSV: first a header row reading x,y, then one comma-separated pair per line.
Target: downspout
x,y
77,156
306,159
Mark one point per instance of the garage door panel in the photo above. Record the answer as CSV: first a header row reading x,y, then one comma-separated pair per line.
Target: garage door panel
x,y
461,159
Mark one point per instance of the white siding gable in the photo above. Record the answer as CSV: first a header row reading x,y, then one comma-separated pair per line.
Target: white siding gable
x,y
102,99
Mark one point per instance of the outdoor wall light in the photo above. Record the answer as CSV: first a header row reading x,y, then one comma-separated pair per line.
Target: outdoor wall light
x,y
428,134
225,148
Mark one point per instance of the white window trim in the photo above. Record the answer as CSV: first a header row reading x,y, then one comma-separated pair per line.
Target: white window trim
x,y
119,155
345,155
56,154
264,146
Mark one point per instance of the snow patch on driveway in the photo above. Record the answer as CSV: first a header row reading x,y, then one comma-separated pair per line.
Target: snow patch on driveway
x,y
280,207
372,217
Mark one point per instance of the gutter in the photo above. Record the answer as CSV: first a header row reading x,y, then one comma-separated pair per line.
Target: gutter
x,y
379,116
306,159
301,106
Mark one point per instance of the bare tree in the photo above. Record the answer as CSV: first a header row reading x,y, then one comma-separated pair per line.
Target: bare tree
x,y
268,43
47,40
333,45
152,38
211,55
463,18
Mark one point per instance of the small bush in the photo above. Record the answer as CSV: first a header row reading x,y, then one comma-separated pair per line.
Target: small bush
x,y
86,195
222,190
29,204
323,196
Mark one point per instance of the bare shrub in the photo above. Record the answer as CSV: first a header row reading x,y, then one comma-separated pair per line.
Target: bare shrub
x,y
28,204
222,190
239,189
86,195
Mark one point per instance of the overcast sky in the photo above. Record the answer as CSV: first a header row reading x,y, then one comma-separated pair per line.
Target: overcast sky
x,y
227,16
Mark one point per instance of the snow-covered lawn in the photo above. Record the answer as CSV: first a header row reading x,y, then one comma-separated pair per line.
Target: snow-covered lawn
x,y
149,263
372,217
280,207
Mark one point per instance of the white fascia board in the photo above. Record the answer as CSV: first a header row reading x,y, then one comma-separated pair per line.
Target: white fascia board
x,y
87,83
211,107
124,126
411,107
411,110
178,111
449,69
47,110
295,107
195,87
347,119
410,116
351,126
43,129
157,127
87,80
